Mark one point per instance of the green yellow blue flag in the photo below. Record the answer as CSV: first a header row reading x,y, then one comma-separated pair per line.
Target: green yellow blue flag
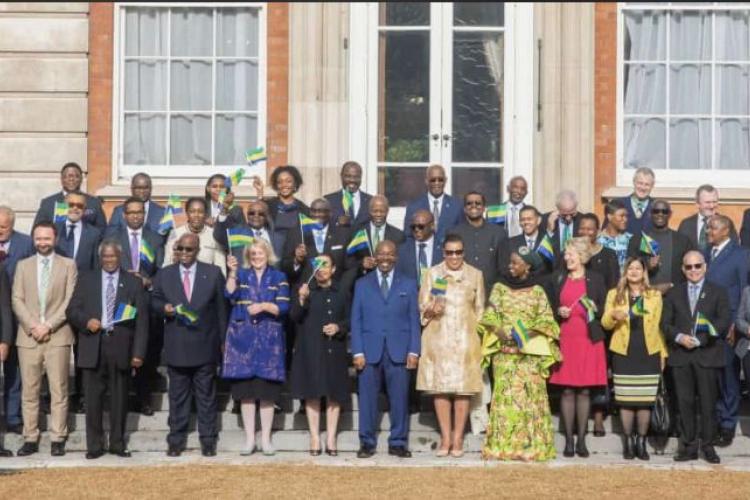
x,y
234,178
147,254
649,246
359,242
256,155
497,214
124,312
175,203
439,287
308,224
186,315
347,201
166,224
519,333
61,212
545,249
590,308
239,237
638,308
702,325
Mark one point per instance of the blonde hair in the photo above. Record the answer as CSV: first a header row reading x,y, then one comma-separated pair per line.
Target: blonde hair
x,y
267,248
623,290
582,246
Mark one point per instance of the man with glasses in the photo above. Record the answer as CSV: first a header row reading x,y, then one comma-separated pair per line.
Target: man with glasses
x,y
696,357
728,268
484,243
378,230
140,187
695,227
445,210
562,223
421,250
664,258
71,178
349,205
258,223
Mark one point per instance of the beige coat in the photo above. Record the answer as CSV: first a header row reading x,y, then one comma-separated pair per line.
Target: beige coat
x,y
210,252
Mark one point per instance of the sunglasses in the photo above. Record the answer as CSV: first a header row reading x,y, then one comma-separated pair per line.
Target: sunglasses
x,y
449,253
180,248
690,267
660,211
435,180
473,204
135,212
418,227
256,214
76,205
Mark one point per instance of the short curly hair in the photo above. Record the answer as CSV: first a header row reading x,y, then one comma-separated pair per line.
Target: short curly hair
x,y
289,169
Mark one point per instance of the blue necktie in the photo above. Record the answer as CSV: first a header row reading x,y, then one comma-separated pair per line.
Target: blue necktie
x,y
384,286
320,241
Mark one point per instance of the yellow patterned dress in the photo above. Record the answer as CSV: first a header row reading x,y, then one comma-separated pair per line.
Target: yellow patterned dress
x,y
520,425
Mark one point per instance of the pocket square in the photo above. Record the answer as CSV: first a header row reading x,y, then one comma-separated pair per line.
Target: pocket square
x,y
402,294
337,247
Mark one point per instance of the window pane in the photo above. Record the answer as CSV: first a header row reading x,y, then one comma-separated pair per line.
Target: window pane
x,y
478,13
192,32
404,100
237,32
689,144
144,142
733,144
145,31
237,86
190,141
235,134
477,96
488,181
690,89
645,36
401,185
732,36
690,36
645,143
404,14
645,88
191,86
145,85
733,88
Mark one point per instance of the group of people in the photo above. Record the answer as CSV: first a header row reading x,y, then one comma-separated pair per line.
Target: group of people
x,y
487,309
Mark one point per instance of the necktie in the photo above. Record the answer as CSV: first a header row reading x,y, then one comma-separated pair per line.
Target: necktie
x,y
422,264
714,253
384,285
693,298
109,296
186,284
43,285
513,228
134,251
639,206
320,241
70,241
375,238
565,235
702,235
436,212
530,242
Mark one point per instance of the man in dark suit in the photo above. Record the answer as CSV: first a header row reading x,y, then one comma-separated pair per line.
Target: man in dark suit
x,y
377,230
728,268
665,268
108,346
14,247
385,346
329,239
358,214
638,203
530,221
446,210
562,223
696,357
130,237
140,187
484,242
696,226
71,178
421,250
6,330
258,222
191,347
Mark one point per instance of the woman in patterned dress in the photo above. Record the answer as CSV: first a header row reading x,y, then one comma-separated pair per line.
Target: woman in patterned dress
x,y
520,425
614,234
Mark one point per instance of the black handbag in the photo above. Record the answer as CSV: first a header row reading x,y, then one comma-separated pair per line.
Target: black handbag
x,y
661,419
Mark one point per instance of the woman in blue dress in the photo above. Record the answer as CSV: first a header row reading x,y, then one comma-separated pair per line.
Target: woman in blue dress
x,y
254,350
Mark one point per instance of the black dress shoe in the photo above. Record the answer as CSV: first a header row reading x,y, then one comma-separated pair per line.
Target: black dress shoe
x,y
710,455
315,453
581,449
4,453
27,449
146,410
208,450
174,452
628,451
58,449
725,438
365,452
332,453
685,456
93,455
569,450
399,451
15,429
641,450
79,407
121,453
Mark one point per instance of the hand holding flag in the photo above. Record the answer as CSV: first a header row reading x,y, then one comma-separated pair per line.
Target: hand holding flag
x,y
439,287
61,212
186,315
649,246
359,242
124,312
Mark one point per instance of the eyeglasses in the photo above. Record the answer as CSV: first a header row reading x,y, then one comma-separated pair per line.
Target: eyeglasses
x,y
660,211
76,205
418,227
135,212
181,248
449,253
435,180
690,267
473,203
256,214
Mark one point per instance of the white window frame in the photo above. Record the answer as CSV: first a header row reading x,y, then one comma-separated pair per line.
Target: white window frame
x,y
181,174
673,178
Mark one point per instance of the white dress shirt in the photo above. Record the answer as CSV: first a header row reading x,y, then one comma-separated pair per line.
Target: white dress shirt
x,y
716,250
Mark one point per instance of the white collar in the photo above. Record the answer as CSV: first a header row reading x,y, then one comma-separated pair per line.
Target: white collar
x,y
718,249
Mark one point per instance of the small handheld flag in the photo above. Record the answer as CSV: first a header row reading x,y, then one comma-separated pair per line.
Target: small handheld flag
x,y
256,155
439,287
545,249
317,263
124,312
175,203
347,201
147,254
702,325
239,237
590,307
519,333
308,224
649,245
234,178
186,315
166,224
359,242
61,212
496,214
638,308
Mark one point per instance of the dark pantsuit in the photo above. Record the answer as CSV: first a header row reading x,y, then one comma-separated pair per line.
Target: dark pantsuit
x,y
728,405
96,381
691,380
371,379
12,389
199,382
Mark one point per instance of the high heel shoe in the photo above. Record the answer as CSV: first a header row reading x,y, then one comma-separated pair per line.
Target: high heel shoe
x,y
569,450
628,450
581,449
640,448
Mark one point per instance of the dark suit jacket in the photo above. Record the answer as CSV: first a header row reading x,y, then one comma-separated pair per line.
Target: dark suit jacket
x,y
192,345
337,238
636,225
689,227
6,312
595,290
87,257
21,246
337,209
681,245
93,215
745,231
129,338
122,236
605,263
220,235
676,318
155,213
407,257
451,214
729,270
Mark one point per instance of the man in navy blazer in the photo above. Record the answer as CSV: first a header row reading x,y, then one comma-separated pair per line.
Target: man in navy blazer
x,y
76,239
351,180
140,187
421,249
14,247
71,178
385,345
728,268
638,203
191,348
446,210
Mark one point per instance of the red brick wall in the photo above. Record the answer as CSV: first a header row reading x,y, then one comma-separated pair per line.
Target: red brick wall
x,y
605,99
277,132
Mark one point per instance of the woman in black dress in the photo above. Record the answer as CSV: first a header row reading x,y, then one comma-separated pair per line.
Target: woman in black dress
x,y
284,208
320,363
